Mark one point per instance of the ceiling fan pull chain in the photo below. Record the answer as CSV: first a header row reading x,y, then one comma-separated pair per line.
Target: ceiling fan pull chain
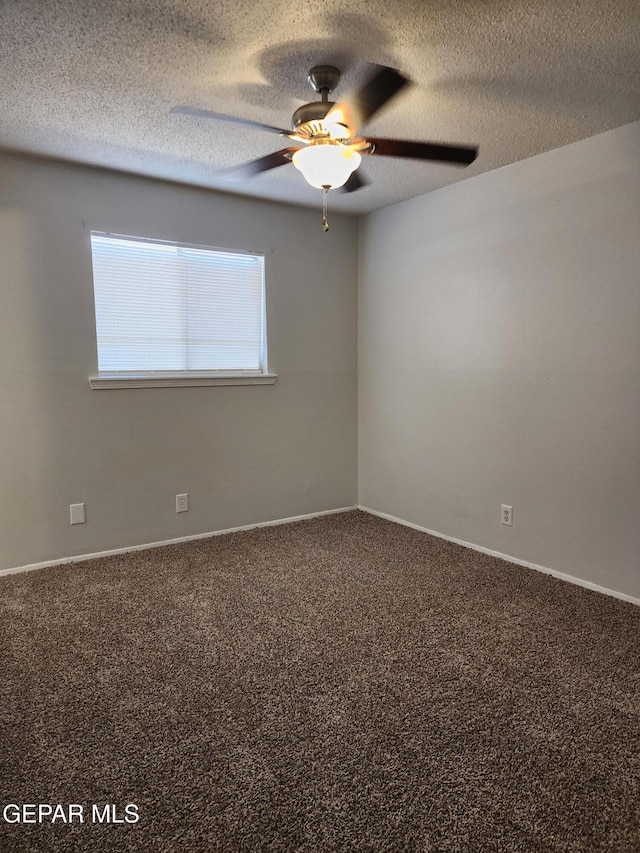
x,y
325,221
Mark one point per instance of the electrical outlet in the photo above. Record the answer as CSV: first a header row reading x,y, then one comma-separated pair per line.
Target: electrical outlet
x,y
506,516
76,514
182,503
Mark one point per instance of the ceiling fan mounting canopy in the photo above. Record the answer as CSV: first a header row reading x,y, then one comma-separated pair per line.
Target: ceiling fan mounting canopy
x,y
324,78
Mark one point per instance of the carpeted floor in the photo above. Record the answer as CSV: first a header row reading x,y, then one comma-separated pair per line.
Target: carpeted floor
x,y
338,684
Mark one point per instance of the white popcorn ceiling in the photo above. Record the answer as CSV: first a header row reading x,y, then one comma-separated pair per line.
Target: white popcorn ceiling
x,y
93,82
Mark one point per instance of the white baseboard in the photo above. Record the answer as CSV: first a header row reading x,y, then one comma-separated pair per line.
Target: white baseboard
x,y
508,558
560,575
80,557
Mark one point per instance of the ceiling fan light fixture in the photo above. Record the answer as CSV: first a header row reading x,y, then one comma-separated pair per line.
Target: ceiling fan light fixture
x,y
326,165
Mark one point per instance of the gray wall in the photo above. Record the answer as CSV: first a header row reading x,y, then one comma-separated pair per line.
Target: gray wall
x,y
244,454
499,360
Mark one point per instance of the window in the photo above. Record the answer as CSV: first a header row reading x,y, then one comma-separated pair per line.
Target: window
x,y
170,314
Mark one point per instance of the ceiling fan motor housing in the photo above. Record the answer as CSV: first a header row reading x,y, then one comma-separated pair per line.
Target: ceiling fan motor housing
x,y
307,119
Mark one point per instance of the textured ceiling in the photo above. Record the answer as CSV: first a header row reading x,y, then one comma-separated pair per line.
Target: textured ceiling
x,y
93,81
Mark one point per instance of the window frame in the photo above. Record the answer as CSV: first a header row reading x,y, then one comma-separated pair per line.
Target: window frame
x,y
175,378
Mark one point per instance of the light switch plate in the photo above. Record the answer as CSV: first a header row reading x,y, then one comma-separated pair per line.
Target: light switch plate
x,y
76,513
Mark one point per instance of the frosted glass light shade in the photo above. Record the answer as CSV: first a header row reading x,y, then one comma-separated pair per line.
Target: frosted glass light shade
x,y
326,165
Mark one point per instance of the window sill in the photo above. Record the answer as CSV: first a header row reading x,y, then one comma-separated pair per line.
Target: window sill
x,y
108,381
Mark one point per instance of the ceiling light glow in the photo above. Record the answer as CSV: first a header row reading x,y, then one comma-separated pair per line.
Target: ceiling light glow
x,y
326,165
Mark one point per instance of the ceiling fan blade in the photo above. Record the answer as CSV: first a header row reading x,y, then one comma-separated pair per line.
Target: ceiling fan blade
x,y
462,155
355,182
255,167
357,109
198,113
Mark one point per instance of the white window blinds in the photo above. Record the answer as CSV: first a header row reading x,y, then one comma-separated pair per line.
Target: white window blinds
x,y
162,307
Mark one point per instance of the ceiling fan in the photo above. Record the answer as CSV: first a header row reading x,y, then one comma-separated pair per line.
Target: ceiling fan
x,y
328,149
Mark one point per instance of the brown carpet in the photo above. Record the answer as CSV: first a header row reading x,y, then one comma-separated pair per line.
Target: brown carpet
x,y
338,684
